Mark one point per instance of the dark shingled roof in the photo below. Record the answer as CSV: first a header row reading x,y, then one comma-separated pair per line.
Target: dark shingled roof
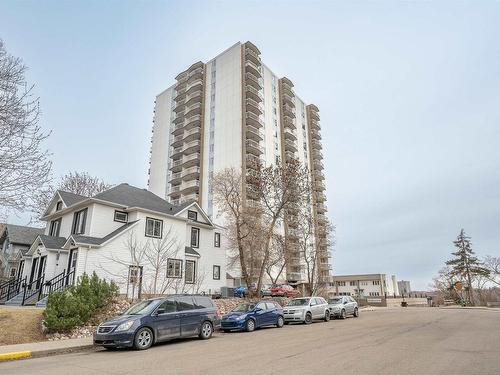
x,y
99,241
130,196
52,242
71,198
21,235
190,251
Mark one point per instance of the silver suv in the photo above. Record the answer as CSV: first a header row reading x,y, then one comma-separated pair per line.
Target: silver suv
x,y
306,309
342,306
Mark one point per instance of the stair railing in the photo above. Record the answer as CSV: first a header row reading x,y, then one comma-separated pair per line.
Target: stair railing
x,y
55,284
11,288
32,288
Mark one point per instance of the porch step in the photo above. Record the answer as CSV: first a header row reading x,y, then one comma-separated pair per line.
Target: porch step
x,y
16,301
42,302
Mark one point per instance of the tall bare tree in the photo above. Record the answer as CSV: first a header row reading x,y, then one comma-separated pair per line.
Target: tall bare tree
x,y
492,264
25,164
277,262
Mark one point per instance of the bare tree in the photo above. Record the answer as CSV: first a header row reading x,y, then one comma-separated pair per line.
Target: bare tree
x,y
24,162
80,183
492,264
276,264
445,282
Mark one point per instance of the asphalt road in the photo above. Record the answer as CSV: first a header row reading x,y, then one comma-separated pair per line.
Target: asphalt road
x,y
402,341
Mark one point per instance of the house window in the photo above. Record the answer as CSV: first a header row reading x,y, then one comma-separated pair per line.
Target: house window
x,y
174,268
217,239
59,206
79,219
190,273
376,282
193,215
55,226
121,216
12,273
352,283
195,237
154,227
134,274
216,272
341,283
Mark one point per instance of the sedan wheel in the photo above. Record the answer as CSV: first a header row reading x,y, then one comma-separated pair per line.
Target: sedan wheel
x,y
308,318
250,326
356,312
342,314
327,316
281,322
206,331
143,339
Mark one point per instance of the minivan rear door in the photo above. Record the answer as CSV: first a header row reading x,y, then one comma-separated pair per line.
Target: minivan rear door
x,y
166,320
190,316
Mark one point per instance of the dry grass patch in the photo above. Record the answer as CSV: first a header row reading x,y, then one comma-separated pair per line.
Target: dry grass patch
x,y
20,325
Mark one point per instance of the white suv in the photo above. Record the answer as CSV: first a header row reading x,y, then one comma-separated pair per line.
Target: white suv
x,y
306,309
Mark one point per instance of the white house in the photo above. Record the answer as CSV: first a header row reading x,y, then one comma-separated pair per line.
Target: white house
x,y
128,235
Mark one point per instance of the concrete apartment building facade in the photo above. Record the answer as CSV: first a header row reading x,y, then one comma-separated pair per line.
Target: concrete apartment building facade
x,y
404,287
229,112
369,285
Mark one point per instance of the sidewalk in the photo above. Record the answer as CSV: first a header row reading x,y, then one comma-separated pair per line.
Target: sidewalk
x,y
44,348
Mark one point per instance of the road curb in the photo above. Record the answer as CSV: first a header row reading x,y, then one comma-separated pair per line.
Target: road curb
x,y
15,355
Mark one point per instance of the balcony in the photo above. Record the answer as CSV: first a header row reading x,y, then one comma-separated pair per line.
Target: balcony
x,y
175,192
192,173
293,276
314,116
288,122
181,77
316,144
290,134
177,140
254,133
176,152
320,197
194,109
253,162
194,86
315,125
315,134
254,94
190,187
196,74
175,178
251,55
317,155
192,122
191,147
288,110
254,120
321,208
252,177
253,81
193,97
254,147
176,165
253,68
287,98
290,156
253,106
318,175
290,145
318,165
250,46
180,93
191,135
252,193
185,162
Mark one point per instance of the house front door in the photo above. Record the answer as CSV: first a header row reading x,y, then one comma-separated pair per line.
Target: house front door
x,y
41,270
34,263
72,259
20,270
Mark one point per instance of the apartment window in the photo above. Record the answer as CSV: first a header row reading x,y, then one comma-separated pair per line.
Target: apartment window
x,y
376,282
352,283
154,227
55,226
341,283
216,272
59,206
195,237
217,239
190,273
193,215
374,294
79,220
174,268
121,216
134,274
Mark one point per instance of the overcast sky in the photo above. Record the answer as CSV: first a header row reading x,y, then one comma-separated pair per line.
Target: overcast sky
x,y
409,94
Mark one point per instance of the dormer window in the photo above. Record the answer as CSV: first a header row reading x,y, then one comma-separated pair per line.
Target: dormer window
x,y
55,226
79,220
59,206
121,217
192,215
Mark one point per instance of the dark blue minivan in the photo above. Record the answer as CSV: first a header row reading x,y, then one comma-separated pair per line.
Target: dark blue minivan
x,y
160,319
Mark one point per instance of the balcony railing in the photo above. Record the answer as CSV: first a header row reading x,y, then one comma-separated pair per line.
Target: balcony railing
x,y
254,147
254,133
290,134
254,93
253,119
290,145
253,80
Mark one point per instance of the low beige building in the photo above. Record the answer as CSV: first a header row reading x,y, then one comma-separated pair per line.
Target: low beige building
x,y
368,285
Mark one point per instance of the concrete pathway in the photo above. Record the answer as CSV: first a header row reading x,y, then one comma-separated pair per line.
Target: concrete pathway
x,y
44,348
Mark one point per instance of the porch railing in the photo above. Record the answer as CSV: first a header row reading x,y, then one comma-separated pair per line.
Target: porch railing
x,y
11,288
33,288
56,284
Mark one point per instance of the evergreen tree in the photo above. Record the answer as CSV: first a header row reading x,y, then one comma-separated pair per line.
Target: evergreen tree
x,y
465,265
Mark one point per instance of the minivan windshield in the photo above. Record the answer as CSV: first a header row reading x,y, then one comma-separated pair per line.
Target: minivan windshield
x,y
299,302
143,307
335,301
244,307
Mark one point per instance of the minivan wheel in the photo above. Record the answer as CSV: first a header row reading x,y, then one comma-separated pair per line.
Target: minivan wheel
x,y
250,326
308,318
356,312
327,316
143,339
206,331
342,314
281,322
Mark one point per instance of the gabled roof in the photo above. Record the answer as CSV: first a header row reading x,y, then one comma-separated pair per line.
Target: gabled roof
x,y
98,241
52,242
22,235
187,205
131,196
70,199
190,251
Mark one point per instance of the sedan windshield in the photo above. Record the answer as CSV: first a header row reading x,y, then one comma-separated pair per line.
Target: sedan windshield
x,y
335,301
244,307
299,302
143,307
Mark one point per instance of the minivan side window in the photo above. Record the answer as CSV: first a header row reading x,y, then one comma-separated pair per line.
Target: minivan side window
x,y
168,306
202,302
185,303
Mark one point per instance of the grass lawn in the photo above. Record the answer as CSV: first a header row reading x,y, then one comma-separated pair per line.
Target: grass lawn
x,y
20,325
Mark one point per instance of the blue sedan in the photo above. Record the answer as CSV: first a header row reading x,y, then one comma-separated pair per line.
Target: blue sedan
x,y
249,316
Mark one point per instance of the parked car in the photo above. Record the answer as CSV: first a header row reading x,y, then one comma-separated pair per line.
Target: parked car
x,y
243,291
306,309
284,291
249,316
160,319
266,290
342,306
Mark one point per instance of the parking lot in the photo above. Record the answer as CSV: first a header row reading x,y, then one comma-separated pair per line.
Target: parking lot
x,y
393,341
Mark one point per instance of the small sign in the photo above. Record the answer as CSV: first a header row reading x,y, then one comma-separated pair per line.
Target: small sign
x,y
458,285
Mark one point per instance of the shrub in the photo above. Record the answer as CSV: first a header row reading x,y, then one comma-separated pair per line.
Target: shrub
x,y
75,306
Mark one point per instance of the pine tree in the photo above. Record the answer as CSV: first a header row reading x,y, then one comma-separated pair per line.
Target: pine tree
x,y
465,265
